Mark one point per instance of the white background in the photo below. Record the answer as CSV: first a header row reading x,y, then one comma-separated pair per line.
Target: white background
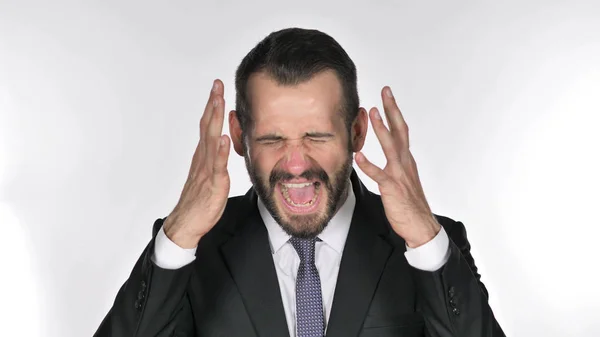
x,y
100,102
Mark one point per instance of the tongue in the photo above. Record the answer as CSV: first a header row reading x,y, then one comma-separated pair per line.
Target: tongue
x,y
301,195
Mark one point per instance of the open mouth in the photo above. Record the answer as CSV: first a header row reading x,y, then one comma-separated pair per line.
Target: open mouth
x,y
301,197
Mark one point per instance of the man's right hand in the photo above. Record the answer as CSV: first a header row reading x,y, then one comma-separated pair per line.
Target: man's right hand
x,y
206,190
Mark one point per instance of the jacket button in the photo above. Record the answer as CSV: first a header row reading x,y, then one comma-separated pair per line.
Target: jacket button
x,y
138,305
452,302
451,291
141,295
144,285
456,311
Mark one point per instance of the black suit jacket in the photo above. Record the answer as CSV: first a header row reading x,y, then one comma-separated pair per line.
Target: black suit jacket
x,y
231,289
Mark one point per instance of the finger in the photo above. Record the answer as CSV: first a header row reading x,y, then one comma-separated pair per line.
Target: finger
x,y
217,89
370,169
398,126
383,135
220,164
215,130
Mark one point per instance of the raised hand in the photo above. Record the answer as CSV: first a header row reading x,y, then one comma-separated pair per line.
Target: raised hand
x,y
404,201
206,190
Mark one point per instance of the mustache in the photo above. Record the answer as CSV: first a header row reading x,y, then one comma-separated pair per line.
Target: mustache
x,y
310,174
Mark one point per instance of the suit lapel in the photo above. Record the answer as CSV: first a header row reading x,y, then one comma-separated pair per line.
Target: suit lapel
x,y
248,256
363,261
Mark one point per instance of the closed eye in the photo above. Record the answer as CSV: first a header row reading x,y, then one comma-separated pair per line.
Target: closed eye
x,y
269,139
319,137
318,140
313,137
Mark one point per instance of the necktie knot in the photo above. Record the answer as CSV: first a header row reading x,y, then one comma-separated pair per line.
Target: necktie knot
x,y
305,249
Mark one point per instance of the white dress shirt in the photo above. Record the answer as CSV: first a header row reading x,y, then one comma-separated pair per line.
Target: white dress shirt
x,y
328,255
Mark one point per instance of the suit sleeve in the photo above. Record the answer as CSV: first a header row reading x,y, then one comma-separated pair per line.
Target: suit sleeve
x,y
453,300
153,302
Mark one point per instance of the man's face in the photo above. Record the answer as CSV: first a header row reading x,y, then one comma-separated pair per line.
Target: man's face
x,y
299,158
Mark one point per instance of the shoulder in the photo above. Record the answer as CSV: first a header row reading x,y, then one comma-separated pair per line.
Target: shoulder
x,y
456,231
449,224
454,228
235,206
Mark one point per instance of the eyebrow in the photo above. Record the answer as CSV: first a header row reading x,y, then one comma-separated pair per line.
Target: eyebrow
x,y
319,135
270,137
274,137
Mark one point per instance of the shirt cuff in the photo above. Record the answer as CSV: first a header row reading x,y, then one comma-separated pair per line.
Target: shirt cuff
x,y
168,255
431,256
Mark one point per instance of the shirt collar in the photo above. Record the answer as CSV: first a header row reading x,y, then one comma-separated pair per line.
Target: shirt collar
x,y
334,234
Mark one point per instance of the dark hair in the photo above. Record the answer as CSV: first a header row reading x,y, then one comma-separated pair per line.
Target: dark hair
x,y
292,56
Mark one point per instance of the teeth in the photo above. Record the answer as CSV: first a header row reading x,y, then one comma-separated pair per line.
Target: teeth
x,y
297,185
286,195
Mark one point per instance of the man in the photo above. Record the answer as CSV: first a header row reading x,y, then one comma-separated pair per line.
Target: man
x,y
308,251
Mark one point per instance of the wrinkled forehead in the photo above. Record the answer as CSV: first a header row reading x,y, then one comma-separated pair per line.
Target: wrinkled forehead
x,y
277,107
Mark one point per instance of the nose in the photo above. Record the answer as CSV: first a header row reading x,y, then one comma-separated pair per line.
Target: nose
x,y
296,161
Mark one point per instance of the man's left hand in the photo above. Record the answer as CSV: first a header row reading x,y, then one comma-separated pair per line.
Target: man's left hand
x,y
402,195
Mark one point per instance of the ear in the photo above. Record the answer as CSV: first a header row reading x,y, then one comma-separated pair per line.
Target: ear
x,y
359,128
235,130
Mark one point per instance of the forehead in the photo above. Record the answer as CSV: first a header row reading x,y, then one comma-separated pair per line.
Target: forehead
x,y
314,104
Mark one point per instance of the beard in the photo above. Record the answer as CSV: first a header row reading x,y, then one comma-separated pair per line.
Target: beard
x,y
303,225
